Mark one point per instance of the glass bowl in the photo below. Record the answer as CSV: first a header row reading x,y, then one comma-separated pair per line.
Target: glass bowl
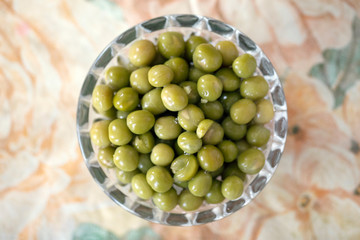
x,y
114,54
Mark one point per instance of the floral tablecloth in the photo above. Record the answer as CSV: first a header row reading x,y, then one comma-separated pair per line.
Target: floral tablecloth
x,y
46,48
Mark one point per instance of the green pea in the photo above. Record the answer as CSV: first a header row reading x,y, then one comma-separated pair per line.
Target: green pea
x,y
242,145
167,128
195,74
210,132
218,172
254,88
251,161
162,155
244,66
180,184
209,87
139,80
200,185
142,53
228,78
144,143
140,186
190,117
126,158
227,99
111,113
184,167
214,195
119,133
174,97
228,51
140,121
189,142
212,110
243,111
117,77
102,98
99,133
207,58
159,59
166,201
191,91
122,114
144,163
191,44
232,130
126,99
105,157
160,75
171,44
188,201
152,102
232,187
159,179
125,177
257,135
229,150
180,68
264,111
210,158
232,169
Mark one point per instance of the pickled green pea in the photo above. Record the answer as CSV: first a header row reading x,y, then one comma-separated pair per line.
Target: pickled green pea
x,y
180,184
189,142
229,150
105,157
227,99
214,195
244,66
139,80
159,59
126,158
212,110
191,91
126,99
209,87
144,163
178,150
99,133
195,74
210,158
140,121
228,78
125,177
254,88
264,111
144,143
174,97
207,58
257,135
191,44
167,128
160,75
242,145
119,133
166,201
190,117
159,179
232,169
111,113
180,68
102,98
251,161
184,167
200,185
210,132
117,77
232,187
228,51
243,111
232,130
171,44
122,114
152,102
188,201
162,154
217,172
142,53
140,186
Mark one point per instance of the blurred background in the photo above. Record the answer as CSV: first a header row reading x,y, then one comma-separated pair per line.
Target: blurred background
x,y
46,49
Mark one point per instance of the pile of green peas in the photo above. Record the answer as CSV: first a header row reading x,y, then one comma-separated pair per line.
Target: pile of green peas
x,y
190,115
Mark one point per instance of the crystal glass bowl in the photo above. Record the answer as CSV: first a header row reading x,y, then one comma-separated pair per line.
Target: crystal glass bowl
x,y
116,53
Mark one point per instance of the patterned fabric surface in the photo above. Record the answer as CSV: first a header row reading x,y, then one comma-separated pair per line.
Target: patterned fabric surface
x,y
46,49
